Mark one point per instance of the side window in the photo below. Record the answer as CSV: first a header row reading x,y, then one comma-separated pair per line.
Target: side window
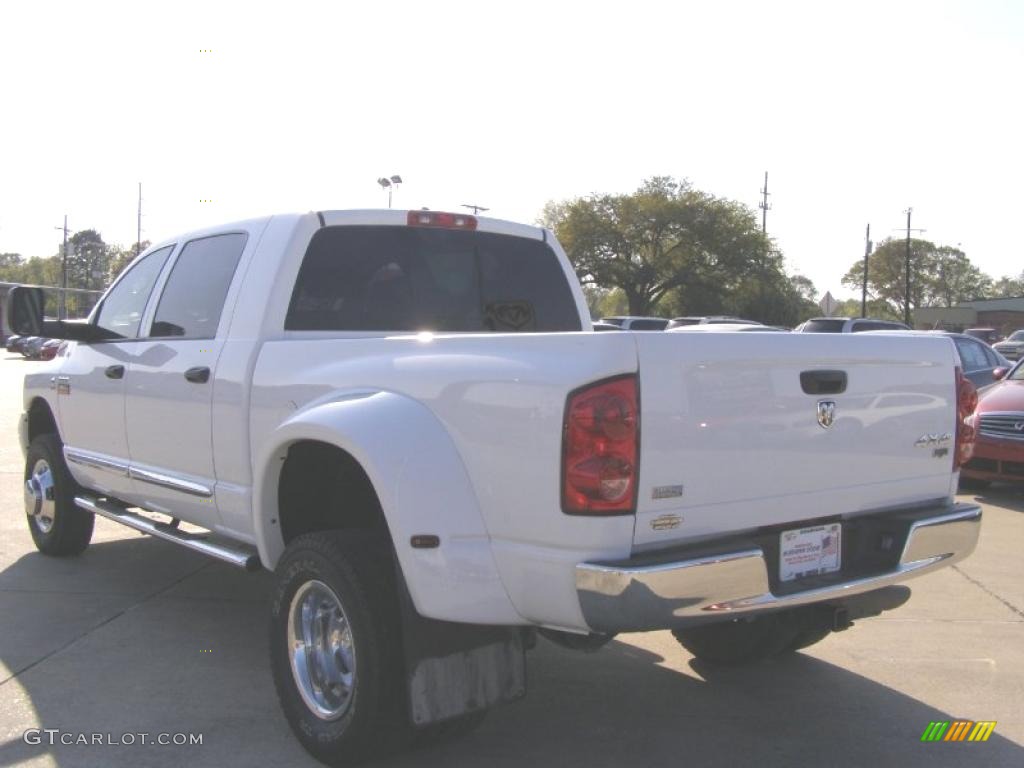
x,y
971,355
193,298
122,308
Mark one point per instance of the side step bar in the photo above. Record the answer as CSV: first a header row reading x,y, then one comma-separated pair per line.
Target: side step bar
x,y
236,555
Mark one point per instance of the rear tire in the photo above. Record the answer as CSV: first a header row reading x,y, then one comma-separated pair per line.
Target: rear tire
x,y
59,527
740,641
335,646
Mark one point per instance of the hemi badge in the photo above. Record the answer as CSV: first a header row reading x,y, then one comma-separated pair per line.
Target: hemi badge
x,y
667,491
666,522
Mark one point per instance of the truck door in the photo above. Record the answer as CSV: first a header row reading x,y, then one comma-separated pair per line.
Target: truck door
x,y
91,382
169,384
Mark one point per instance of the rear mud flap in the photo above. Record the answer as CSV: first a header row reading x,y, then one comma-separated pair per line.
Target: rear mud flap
x,y
453,669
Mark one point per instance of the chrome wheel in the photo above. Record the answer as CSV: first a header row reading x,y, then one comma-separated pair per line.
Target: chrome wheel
x,y
39,503
322,651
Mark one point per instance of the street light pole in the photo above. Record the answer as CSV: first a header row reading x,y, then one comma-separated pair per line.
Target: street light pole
x,y
389,184
906,297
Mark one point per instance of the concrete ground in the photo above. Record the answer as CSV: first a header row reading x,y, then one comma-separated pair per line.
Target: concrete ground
x,y
138,635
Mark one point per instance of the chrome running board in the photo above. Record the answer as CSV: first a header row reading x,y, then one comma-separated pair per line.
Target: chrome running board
x,y
235,554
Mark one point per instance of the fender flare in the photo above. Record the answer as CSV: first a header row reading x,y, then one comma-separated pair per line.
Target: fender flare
x,y
423,488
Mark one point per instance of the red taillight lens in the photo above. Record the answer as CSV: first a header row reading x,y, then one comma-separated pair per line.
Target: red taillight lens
x,y
440,219
600,447
966,403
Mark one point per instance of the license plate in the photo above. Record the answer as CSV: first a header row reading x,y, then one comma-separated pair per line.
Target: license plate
x,y
810,551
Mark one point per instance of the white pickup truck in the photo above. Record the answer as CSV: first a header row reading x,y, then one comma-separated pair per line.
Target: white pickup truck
x,y
406,416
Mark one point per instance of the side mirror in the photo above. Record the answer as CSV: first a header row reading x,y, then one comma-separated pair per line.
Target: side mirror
x,y
999,373
25,310
26,314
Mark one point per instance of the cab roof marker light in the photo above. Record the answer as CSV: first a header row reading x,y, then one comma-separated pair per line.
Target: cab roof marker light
x,y
441,219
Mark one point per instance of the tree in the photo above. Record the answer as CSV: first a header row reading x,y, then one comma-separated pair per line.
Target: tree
x,y
1008,287
88,260
879,309
939,275
667,239
121,257
956,279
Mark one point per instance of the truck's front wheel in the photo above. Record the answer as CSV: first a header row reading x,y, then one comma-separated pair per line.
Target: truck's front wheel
x,y
335,645
58,527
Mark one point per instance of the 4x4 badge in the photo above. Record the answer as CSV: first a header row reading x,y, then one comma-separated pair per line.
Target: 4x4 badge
x,y
826,412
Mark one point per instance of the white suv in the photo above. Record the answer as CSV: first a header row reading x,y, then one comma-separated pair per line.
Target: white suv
x,y
847,325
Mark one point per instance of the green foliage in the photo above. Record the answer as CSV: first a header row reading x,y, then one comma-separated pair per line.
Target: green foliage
x,y
1008,287
672,249
121,256
88,260
939,275
878,309
605,302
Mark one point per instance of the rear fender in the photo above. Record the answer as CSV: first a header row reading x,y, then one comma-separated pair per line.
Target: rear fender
x,y
423,488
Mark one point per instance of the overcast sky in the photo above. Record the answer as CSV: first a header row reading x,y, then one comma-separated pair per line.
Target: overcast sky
x,y
856,111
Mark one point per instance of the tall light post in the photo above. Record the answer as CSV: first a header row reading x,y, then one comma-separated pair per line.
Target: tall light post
x,y
389,184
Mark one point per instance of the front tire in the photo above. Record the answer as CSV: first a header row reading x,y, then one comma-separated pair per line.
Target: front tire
x,y
335,645
58,526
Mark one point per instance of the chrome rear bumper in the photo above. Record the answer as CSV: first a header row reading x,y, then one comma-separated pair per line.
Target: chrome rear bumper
x,y
649,593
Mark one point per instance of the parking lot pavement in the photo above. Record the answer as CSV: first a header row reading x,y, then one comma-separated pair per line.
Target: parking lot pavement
x,y
139,636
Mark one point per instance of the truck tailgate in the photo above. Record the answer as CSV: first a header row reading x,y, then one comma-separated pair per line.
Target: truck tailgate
x,y
731,441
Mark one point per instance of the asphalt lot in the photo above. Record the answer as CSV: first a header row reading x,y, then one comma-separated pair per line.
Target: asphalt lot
x,y
140,636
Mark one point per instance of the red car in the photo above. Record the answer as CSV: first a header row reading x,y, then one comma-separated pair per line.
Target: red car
x,y
999,419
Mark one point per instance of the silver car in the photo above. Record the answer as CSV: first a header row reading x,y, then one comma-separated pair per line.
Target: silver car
x,y
1012,347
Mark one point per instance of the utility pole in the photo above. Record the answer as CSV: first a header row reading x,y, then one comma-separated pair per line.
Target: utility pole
x,y
906,286
476,208
764,206
62,305
138,231
864,289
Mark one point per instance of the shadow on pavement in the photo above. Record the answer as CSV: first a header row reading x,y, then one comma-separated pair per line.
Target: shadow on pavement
x,y
139,636
1003,495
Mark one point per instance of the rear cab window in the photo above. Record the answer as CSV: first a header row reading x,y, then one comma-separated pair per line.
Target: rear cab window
x,y
391,278
824,326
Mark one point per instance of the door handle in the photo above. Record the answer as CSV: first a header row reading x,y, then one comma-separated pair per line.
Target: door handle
x,y
198,375
114,372
823,382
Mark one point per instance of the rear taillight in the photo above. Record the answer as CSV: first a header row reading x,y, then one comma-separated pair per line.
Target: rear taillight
x,y
966,402
441,219
600,448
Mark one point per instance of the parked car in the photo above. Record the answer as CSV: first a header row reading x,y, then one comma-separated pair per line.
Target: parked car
x,y
988,335
847,325
30,349
680,322
633,323
999,445
602,326
13,343
49,349
1012,347
725,327
430,501
981,364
